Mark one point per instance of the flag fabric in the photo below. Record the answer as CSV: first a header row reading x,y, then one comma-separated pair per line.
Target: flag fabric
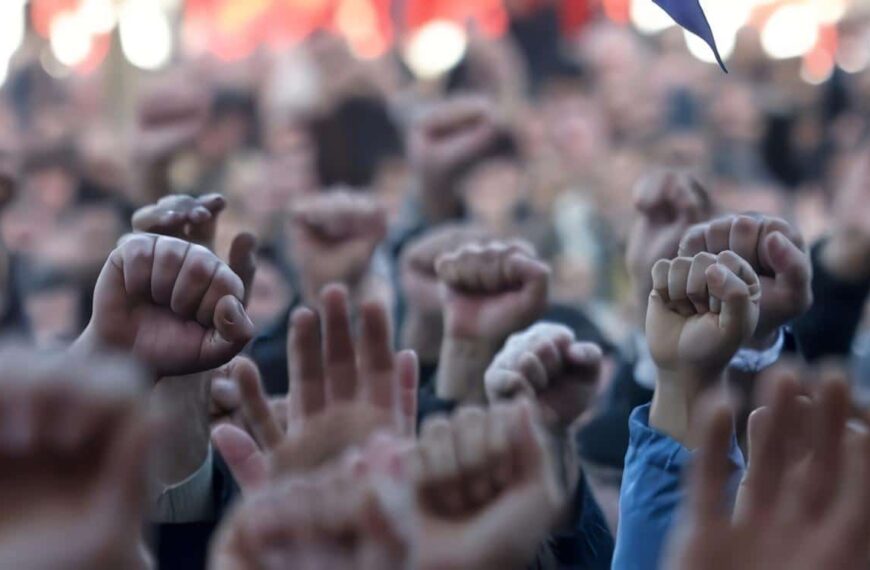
x,y
690,15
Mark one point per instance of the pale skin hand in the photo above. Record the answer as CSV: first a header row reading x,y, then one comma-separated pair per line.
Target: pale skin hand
x,y
775,251
488,292
486,486
74,444
173,305
811,516
334,519
341,391
546,364
666,203
334,236
423,326
441,139
700,311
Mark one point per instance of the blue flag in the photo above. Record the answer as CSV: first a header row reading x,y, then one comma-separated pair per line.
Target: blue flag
x,y
690,15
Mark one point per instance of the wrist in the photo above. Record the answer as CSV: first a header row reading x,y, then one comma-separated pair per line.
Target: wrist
x,y
183,402
423,332
675,402
763,340
461,367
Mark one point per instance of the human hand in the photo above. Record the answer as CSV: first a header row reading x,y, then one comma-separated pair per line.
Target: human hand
x,y
774,249
338,518
169,118
546,364
341,391
666,203
489,291
173,305
334,236
806,515
195,220
74,445
701,310
487,488
226,401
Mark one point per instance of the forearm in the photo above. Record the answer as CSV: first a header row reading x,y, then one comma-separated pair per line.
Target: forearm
x,y
437,199
461,368
675,402
183,403
423,333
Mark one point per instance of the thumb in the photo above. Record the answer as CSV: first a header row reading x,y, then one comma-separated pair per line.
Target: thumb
x,y
246,461
736,317
243,260
790,264
232,331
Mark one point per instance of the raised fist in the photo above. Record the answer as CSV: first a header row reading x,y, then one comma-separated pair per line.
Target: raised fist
x,y
774,250
666,204
334,236
335,519
170,117
174,305
74,445
700,311
417,263
546,364
490,291
195,220
487,488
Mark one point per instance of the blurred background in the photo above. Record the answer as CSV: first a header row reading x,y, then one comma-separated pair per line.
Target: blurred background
x,y
274,99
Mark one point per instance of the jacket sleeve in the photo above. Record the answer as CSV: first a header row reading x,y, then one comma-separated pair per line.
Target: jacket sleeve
x,y
652,492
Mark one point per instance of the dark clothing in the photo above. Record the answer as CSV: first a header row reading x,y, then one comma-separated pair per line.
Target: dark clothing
x,y
184,546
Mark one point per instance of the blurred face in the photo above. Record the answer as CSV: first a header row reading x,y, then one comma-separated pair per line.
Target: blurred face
x,y
52,188
493,190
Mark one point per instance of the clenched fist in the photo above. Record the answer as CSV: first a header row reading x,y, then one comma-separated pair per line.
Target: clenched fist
x,y
774,250
700,311
334,237
545,363
492,290
174,305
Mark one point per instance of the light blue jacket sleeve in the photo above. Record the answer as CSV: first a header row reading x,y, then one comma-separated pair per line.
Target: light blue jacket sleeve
x,y
651,492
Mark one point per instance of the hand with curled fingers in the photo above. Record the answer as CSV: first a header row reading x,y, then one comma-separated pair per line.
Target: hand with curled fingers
x,y
492,290
173,305
805,502
338,518
423,325
334,236
774,249
546,364
487,488
74,450
666,203
195,220
341,391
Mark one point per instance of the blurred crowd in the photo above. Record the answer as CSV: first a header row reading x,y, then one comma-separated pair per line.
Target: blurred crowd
x,y
476,321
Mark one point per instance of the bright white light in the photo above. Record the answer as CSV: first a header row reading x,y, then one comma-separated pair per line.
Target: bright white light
x,y
791,31
99,15
146,38
70,39
436,48
11,27
4,70
829,11
649,18
726,19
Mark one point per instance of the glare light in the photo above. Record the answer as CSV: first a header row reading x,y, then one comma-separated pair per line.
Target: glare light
x,y
829,11
649,18
4,70
436,48
70,39
99,15
146,38
791,31
11,27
